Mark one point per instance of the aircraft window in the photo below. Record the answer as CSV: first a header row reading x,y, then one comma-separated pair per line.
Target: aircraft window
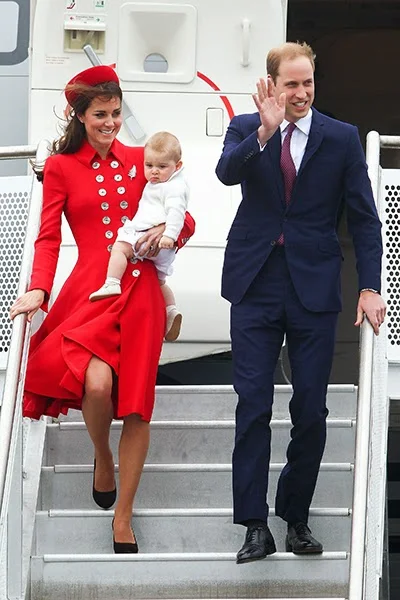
x,y
155,63
9,19
14,42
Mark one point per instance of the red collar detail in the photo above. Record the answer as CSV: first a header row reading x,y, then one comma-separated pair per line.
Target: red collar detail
x,y
87,154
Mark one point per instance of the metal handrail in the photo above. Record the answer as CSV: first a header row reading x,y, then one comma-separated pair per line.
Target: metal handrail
x,y
364,411
375,568
11,415
9,152
387,141
360,492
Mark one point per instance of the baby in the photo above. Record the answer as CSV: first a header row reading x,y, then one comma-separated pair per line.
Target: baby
x,y
164,200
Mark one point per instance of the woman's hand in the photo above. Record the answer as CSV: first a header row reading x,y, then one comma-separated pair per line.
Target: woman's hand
x,y
28,303
147,244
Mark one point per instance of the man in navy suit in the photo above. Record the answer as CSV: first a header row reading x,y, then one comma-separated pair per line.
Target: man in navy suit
x,y
282,276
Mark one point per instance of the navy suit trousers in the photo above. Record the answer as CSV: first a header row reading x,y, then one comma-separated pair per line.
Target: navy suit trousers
x,y
269,310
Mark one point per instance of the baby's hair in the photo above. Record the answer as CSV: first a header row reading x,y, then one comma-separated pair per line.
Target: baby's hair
x,y
165,143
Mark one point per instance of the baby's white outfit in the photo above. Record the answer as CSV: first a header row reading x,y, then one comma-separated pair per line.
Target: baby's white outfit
x,y
164,202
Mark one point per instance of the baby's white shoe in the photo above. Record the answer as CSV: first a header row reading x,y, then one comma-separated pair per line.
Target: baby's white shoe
x,y
174,322
106,290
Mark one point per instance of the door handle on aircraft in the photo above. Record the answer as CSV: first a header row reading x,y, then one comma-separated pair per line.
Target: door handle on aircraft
x,y
130,121
245,42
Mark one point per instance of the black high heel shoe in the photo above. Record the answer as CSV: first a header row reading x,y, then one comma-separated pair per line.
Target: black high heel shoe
x,y
124,547
103,499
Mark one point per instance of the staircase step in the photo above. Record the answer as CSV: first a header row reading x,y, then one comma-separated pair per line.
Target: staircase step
x,y
187,575
183,515
190,441
176,531
219,402
183,486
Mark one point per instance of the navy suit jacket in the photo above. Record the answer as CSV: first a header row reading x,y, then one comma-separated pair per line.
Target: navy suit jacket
x,y
333,169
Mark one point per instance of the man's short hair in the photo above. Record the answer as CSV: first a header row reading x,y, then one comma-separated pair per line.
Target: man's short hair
x,y
288,51
165,143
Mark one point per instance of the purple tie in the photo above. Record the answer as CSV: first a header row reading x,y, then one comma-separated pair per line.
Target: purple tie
x,y
288,169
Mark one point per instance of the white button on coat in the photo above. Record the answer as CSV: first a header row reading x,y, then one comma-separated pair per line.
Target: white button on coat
x,y
109,235
136,273
121,190
114,164
102,192
123,204
105,206
118,177
96,165
106,220
99,178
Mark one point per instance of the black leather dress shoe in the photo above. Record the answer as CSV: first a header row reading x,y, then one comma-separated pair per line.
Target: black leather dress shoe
x,y
258,544
103,499
300,541
124,547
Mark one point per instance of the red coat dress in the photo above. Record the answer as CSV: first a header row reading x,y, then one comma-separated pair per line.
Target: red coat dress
x,y
124,331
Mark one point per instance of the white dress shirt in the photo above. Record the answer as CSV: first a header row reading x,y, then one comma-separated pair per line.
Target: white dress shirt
x,y
299,139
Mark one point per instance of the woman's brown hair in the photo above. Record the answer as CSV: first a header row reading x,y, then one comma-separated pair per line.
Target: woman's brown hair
x,y
74,131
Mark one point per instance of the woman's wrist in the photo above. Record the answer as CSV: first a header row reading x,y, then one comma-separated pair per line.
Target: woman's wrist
x,y
40,291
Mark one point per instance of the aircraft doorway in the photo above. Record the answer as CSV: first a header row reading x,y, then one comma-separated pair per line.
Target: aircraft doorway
x,y
356,44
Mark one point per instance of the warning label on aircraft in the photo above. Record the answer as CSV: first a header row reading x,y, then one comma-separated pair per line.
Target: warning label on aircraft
x,y
57,60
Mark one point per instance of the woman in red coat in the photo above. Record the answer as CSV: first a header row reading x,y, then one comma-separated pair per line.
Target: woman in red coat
x,y
99,357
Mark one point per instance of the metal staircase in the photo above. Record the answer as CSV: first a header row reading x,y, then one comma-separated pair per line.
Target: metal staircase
x,y
183,516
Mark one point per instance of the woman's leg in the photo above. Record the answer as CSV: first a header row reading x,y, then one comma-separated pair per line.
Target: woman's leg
x,y
133,448
97,410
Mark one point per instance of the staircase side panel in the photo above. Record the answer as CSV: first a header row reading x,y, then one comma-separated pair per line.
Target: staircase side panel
x,y
390,214
3,563
14,203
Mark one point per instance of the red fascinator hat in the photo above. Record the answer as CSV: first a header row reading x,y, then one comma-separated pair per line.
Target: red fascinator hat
x,y
91,77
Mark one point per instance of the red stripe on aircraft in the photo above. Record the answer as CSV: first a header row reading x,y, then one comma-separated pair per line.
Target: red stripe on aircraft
x,y
214,86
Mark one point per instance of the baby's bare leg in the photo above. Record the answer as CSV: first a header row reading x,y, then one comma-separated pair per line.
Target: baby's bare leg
x,y
120,254
174,317
168,294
